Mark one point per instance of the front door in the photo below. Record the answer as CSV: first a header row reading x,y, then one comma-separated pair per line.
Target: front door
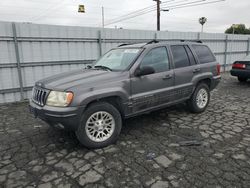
x,y
153,90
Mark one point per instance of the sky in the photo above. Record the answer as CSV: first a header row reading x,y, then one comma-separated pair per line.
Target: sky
x,y
65,12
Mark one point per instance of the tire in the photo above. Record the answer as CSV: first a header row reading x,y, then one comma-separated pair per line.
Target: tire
x,y
93,122
242,79
194,103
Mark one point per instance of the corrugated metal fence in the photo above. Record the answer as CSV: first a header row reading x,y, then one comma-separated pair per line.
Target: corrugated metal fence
x,y
29,52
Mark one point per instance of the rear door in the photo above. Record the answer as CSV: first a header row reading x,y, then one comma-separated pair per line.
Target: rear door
x,y
153,90
206,59
185,68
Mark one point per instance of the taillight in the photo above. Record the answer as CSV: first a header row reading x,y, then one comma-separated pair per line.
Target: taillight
x,y
218,69
239,66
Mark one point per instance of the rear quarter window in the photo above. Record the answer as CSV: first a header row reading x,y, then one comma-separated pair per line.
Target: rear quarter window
x,y
204,54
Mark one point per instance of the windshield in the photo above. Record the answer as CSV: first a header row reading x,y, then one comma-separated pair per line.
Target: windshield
x,y
118,59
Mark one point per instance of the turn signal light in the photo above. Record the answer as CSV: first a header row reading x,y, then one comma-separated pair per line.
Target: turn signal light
x,y
69,97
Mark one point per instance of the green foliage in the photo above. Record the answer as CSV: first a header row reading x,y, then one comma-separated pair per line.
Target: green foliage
x,y
238,29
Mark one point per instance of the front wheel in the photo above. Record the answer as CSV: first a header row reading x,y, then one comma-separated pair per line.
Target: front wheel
x,y
200,99
100,125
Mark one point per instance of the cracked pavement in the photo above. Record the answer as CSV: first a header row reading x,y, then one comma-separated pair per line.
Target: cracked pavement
x,y
167,148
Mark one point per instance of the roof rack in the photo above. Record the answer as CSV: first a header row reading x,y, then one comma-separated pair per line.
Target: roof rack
x,y
197,41
125,44
153,41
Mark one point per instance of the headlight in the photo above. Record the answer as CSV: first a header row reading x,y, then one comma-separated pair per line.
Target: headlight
x,y
60,99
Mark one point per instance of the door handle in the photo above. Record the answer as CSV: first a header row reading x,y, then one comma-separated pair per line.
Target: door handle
x,y
169,76
196,70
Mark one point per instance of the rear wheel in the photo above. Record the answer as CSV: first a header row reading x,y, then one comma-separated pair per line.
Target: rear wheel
x,y
242,79
199,99
100,125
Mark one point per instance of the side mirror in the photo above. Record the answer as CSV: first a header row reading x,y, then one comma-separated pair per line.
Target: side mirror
x,y
144,71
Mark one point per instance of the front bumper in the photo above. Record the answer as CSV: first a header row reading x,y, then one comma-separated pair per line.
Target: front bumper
x,y
68,117
245,73
215,81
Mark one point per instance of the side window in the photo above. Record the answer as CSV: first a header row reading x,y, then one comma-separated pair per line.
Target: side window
x,y
156,58
180,56
204,54
190,56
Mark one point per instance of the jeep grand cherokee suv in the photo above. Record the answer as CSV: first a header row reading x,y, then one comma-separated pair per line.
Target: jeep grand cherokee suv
x,y
127,81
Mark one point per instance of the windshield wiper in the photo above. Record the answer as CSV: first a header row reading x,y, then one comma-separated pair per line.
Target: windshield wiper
x,y
102,67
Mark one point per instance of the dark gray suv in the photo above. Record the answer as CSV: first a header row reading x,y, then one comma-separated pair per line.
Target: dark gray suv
x,y
127,81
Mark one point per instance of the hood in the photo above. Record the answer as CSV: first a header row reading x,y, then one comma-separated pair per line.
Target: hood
x,y
86,77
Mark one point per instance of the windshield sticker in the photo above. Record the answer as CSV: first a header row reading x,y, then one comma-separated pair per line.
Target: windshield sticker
x,y
134,51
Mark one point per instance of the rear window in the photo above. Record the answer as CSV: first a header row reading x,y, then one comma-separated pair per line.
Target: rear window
x,y
204,54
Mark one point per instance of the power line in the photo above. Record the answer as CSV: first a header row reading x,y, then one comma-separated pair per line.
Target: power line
x,y
37,17
178,6
189,3
136,13
177,2
130,17
212,2
158,3
140,11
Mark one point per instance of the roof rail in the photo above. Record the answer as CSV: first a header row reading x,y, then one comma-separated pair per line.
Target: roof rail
x,y
124,44
197,41
153,41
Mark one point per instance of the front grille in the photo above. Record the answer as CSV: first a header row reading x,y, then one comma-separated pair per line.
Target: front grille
x,y
39,96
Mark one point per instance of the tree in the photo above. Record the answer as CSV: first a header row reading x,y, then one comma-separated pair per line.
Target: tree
x,y
238,29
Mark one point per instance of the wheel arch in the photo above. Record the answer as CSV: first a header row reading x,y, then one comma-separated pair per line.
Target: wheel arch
x,y
207,81
114,100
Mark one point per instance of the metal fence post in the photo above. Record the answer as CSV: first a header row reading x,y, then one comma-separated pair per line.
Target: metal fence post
x,y
226,51
19,71
199,36
248,46
100,42
155,36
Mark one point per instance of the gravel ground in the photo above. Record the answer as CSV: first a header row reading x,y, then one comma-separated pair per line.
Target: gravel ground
x,y
167,148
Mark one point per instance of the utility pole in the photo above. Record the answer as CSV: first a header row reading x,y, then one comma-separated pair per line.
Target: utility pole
x,y
158,14
102,17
